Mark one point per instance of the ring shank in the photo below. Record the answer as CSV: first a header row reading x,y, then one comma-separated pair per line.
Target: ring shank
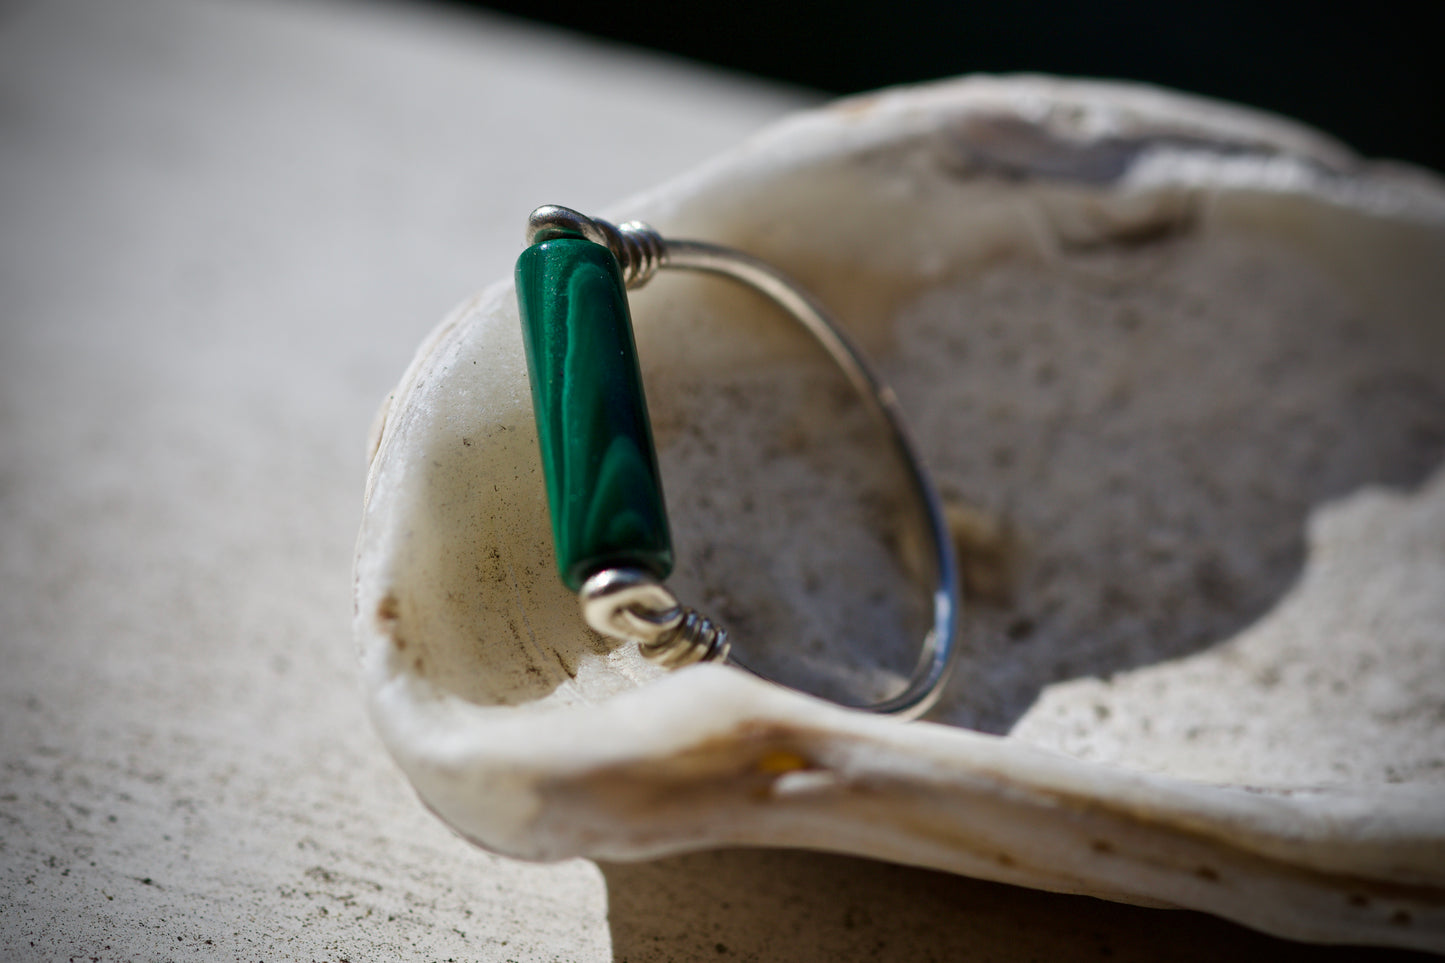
x,y
935,660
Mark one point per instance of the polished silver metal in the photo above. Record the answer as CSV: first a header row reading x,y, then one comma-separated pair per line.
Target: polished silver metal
x,y
639,250
630,605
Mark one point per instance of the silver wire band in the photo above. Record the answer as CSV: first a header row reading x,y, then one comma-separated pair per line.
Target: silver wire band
x,y
630,605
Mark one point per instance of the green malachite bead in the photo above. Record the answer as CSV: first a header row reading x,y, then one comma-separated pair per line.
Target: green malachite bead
x,y
603,486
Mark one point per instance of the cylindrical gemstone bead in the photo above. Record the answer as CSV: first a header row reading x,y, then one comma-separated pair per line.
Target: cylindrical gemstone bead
x,y
603,486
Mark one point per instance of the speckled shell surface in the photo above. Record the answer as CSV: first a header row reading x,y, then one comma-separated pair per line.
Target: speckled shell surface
x,y
1178,370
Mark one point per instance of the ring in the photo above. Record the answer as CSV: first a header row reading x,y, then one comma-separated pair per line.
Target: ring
x,y
604,490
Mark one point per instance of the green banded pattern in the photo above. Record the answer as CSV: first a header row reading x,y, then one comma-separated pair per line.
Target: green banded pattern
x,y
604,490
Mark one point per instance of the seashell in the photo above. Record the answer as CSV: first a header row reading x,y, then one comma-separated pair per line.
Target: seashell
x,y
1177,368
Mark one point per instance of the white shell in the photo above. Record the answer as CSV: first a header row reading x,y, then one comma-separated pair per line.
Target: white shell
x,y
1160,354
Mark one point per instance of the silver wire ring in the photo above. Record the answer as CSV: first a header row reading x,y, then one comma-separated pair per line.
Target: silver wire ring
x,y
628,604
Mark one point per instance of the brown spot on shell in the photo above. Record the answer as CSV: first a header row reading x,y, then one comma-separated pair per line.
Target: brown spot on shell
x,y
782,760
988,553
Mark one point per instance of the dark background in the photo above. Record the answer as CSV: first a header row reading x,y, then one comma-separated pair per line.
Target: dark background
x,y
1372,75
